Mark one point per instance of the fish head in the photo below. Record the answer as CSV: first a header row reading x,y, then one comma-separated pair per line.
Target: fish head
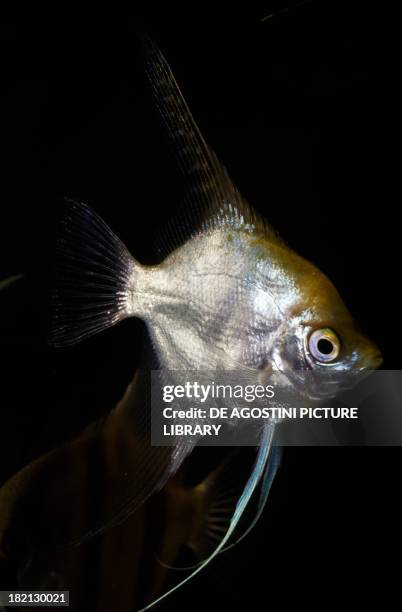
x,y
321,348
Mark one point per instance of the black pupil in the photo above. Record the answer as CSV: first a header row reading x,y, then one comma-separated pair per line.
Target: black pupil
x,y
325,346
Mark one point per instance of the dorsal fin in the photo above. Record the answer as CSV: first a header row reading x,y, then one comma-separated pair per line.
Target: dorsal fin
x,y
211,199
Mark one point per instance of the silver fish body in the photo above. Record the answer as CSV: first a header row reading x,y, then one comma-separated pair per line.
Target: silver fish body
x,y
230,296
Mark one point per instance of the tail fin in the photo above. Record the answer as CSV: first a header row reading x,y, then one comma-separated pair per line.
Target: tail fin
x,y
94,273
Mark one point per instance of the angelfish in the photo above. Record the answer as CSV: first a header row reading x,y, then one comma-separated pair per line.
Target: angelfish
x,y
231,296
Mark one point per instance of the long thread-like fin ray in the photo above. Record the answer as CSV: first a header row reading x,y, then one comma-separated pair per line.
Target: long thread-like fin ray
x,y
267,480
255,477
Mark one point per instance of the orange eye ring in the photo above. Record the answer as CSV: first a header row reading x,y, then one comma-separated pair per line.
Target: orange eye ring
x,y
324,345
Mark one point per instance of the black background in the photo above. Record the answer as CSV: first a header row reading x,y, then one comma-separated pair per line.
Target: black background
x,y
298,108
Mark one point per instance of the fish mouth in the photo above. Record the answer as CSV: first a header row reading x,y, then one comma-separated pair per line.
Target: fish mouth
x,y
372,360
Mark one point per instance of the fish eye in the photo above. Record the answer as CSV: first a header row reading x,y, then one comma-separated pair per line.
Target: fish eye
x,y
324,345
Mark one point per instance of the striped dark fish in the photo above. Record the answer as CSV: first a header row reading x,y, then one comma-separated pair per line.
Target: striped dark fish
x,y
47,506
